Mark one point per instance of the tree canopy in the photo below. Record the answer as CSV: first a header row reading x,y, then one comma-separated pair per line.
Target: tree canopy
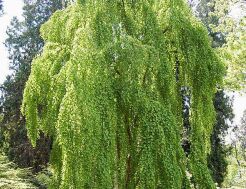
x,y
230,25
107,89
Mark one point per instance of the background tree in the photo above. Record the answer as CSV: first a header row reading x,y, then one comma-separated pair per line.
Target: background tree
x,y
105,89
242,135
1,7
231,23
225,21
23,43
205,11
234,55
219,151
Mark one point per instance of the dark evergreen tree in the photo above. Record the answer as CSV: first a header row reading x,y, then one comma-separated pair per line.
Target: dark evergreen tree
x,y
23,43
224,115
1,7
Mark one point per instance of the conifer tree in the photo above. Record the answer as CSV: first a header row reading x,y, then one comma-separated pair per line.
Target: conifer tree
x,y
217,160
107,89
23,43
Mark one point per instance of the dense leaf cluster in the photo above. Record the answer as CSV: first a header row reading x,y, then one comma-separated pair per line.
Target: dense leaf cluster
x,y
107,89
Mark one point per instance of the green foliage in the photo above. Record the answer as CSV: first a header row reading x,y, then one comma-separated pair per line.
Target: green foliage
x,y
212,13
107,89
230,29
234,55
42,179
237,159
236,177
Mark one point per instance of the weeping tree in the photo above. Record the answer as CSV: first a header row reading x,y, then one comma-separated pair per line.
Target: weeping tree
x,y
108,89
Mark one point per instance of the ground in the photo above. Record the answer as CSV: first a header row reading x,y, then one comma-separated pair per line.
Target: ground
x,y
12,177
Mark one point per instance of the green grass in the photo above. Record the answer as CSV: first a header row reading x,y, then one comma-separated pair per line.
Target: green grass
x,y
12,177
